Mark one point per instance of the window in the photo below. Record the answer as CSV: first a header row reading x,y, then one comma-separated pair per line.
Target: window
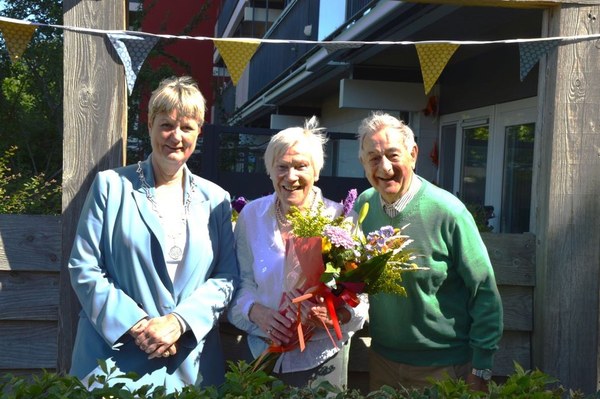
x,y
332,14
486,159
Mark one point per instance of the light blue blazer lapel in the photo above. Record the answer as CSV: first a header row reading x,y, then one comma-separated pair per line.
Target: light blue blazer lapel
x,y
197,226
150,218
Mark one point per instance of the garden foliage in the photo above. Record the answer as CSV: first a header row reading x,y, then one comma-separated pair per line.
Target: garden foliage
x,y
242,382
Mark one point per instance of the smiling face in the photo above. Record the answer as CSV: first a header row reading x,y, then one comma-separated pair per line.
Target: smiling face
x,y
173,139
293,177
388,163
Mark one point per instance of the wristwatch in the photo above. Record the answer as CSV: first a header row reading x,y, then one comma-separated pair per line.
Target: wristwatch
x,y
485,374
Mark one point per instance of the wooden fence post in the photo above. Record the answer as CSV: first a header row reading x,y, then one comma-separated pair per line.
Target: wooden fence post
x,y
565,339
95,126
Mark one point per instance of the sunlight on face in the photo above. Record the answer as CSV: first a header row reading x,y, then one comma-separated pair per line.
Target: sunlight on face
x,y
293,176
388,163
173,139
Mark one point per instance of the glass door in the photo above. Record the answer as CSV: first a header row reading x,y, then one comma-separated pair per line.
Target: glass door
x,y
474,164
490,152
517,178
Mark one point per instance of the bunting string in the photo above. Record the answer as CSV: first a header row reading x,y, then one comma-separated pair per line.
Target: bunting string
x,y
134,46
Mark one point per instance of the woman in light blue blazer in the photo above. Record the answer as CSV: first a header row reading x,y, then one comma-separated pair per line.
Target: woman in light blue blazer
x,y
153,262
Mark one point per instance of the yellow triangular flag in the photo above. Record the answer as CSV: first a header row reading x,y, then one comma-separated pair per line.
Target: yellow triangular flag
x,y
16,37
433,58
236,54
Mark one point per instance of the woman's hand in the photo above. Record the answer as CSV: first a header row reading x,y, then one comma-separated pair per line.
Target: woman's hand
x,y
158,336
275,325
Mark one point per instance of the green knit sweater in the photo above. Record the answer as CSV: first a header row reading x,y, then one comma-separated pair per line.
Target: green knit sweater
x,y
453,312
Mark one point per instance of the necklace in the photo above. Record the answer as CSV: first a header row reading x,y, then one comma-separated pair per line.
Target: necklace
x,y
173,224
282,219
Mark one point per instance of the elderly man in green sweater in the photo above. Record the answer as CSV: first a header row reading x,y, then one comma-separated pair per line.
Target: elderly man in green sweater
x,y
450,323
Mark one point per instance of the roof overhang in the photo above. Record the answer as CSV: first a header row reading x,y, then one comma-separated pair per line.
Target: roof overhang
x,y
320,67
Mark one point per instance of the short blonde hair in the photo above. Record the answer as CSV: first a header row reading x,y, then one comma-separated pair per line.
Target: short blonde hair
x,y
310,134
177,93
380,120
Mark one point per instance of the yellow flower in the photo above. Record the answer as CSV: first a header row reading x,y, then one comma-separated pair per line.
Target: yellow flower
x,y
325,245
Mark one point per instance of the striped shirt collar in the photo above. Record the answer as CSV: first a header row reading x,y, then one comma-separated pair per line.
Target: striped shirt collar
x,y
393,209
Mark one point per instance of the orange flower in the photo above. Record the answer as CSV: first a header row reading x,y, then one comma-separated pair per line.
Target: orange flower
x,y
350,266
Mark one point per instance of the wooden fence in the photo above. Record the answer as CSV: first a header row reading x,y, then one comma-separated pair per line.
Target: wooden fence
x,y
30,262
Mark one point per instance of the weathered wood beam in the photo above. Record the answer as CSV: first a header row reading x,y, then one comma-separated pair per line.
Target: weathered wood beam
x,y
95,121
566,301
508,3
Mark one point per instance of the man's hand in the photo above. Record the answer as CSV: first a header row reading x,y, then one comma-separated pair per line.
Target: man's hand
x,y
476,383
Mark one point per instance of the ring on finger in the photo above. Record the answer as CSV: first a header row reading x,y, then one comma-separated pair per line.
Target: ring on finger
x,y
269,330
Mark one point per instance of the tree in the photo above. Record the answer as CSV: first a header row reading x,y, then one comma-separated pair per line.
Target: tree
x,y
31,98
31,101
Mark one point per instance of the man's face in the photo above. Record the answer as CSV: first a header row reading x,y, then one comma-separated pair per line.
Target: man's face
x,y
388,163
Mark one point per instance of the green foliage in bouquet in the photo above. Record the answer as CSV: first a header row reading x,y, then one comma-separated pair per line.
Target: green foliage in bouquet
x,y
312,224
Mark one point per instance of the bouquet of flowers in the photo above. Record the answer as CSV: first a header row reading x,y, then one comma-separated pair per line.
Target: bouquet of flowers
x,y
333,261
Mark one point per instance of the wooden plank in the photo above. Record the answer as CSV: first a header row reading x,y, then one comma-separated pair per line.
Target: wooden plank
x,y
566,316
95,128
512,256
517,303
515,346
508,3
28,296
28,345
30,242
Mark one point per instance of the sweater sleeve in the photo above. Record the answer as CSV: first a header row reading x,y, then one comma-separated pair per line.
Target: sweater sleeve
x,y
484,305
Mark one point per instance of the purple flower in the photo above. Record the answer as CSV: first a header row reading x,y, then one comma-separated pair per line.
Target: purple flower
x,y
377,239
349,201
339,237
239,203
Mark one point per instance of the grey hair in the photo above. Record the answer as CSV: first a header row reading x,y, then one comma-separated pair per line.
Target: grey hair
x,y
177,93
380,120
311,134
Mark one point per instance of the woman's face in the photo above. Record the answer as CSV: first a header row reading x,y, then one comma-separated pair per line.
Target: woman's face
x,y
293,177
173,139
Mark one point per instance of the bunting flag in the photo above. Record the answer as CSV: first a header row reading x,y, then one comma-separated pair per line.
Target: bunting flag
x,y
332,47
133,51
433,58
531,52
133,48
16,37
236,55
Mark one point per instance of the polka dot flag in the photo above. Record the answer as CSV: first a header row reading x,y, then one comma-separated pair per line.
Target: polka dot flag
x,y
132,50
433,58
236,54
16,37
531,52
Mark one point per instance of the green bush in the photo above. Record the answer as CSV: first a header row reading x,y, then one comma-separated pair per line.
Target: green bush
x,y
241,382
26,193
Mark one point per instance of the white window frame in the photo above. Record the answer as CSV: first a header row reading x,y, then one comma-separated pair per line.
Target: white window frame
x,y
499,116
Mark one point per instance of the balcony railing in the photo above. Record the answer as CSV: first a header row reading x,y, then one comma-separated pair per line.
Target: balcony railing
x,y
271,60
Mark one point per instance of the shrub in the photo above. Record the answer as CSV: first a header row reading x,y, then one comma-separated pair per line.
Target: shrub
x,y
241,382
25,193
